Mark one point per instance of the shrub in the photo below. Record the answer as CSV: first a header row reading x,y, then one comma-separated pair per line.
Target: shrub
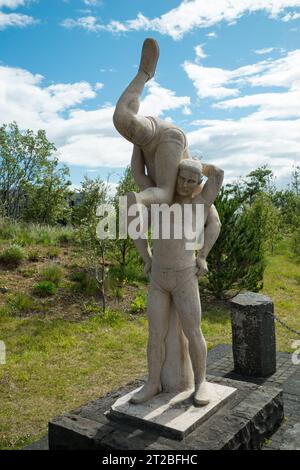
x,y
66,238
33,255
85,282
237,260
44,288
91,308
28,272
52,273
12,256
21,303
139,304
53,252
296,243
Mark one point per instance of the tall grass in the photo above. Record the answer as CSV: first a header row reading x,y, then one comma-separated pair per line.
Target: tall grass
x,y
35,234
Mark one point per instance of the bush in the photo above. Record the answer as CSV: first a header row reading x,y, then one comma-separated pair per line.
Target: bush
x,y
33,255
52,273
28,272
12,256
53,252
44,288
139,304
131,273
85,282
237,260
66,238
296,244
21,303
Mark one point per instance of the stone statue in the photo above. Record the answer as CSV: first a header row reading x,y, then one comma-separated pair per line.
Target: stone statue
x,y
165,174
174,272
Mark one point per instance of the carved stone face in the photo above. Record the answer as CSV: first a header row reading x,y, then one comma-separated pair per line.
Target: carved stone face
x,y
187,182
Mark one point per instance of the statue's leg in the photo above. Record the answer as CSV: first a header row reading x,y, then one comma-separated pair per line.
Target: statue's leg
x,y
137,129
170,151
158,317
187,300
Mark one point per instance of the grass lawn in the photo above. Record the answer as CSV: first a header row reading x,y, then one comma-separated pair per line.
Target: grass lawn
x,y
55,363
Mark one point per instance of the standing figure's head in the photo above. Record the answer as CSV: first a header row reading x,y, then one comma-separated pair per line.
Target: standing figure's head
x,y
189,177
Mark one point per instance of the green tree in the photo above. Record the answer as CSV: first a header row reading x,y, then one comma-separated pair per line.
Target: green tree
x,y
295,183
93,193
29,175
47,200
124,251
237,261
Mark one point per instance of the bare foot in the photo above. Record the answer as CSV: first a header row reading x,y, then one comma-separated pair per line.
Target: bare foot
x,y
149,57
148,391
201,396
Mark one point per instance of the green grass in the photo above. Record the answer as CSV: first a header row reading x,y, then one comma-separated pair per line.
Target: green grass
x,y
52,273
55,365
281,283
35,234
12,256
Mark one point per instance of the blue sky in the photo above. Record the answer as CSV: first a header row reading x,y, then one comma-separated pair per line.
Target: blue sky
x,y
228,75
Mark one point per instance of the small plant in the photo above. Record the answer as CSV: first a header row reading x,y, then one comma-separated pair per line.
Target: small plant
x,y
85,282
65,238
52,273
53,252
12,256
90,308
44,288
21,303
33,255
139,304
29,272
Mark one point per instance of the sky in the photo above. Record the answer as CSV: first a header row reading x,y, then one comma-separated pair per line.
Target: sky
x,y
228,75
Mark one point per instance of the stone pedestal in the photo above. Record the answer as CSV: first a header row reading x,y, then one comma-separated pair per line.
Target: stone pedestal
x,y
251,415
253,335
171,415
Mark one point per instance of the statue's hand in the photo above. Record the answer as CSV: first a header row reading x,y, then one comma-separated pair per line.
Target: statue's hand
x,y
147,267
202,267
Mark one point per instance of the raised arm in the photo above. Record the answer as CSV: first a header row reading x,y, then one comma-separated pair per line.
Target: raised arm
x,y
213,184
138,169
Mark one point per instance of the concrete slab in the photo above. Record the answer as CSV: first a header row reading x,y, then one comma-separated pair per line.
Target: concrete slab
x,y
171,415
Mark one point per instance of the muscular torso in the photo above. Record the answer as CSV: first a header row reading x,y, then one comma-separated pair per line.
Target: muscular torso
x,y
173,253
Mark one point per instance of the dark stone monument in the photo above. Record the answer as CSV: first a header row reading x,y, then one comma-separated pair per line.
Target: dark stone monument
x,y
253,335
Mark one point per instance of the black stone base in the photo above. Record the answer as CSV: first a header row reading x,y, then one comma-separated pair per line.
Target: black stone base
x,y
253,414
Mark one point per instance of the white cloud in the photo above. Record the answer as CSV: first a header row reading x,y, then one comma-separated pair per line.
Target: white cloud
x,y
266,50
191,14
200,54
12,3
270,105
85,22
92,3
15,20
83,137
159,99
291,17
242,145
209,81
269,134
219,83
212,34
